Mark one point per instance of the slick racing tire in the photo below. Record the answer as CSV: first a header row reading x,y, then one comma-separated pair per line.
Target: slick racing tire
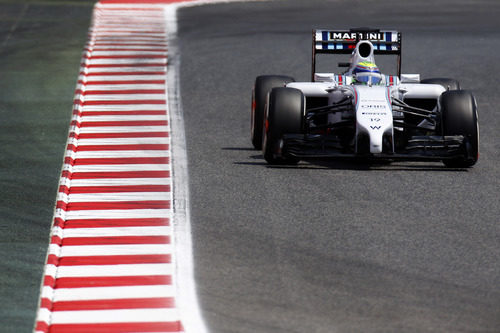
x,y
448,84
263,85
284,115
459,117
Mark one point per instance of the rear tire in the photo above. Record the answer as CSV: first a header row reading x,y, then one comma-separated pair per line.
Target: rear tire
x,y
459,117
448,84
263,85
284,115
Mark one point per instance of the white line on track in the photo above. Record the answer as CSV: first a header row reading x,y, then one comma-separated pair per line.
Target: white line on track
x,y
187,299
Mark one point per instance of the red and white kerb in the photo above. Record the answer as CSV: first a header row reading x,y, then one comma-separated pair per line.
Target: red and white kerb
x,y
110,261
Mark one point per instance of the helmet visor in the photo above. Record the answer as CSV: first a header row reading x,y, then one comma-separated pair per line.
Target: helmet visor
x,y
369,78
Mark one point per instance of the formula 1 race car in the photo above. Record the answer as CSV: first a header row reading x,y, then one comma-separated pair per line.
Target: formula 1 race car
x,y
362,112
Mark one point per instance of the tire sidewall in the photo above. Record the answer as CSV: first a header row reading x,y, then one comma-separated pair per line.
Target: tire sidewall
x,y
262,86
284,114
459,117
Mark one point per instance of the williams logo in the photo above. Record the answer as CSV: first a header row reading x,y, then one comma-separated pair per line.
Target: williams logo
x,y
375,127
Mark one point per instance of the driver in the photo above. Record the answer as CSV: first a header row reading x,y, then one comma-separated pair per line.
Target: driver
x,y
366,72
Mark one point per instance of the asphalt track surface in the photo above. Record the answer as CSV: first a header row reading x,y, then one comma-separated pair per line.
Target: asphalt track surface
x,y
329,246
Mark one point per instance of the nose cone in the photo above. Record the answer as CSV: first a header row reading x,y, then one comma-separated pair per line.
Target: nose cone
x,y
373,116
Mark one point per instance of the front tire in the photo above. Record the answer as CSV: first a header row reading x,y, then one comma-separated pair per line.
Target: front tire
x,y
459,117
263,85
284,115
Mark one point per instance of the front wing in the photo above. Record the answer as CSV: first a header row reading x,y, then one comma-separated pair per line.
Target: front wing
x,y
418,148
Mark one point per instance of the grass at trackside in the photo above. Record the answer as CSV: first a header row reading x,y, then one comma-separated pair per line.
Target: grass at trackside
x,y
40,48
86,3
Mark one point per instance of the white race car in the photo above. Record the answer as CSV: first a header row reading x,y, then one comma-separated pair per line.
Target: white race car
x,y
362,112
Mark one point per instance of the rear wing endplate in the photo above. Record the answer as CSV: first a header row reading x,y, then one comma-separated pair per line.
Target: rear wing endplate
x,y
344,42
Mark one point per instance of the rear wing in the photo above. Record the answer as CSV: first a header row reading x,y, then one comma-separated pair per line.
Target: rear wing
x,y
344,42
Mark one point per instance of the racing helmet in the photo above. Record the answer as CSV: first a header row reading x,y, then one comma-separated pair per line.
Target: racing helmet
x,y
366,72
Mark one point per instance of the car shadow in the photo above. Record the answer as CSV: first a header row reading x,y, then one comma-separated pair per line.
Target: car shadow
x,y
346,164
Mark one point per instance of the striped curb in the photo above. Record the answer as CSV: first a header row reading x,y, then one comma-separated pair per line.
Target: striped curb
x,y
110,264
